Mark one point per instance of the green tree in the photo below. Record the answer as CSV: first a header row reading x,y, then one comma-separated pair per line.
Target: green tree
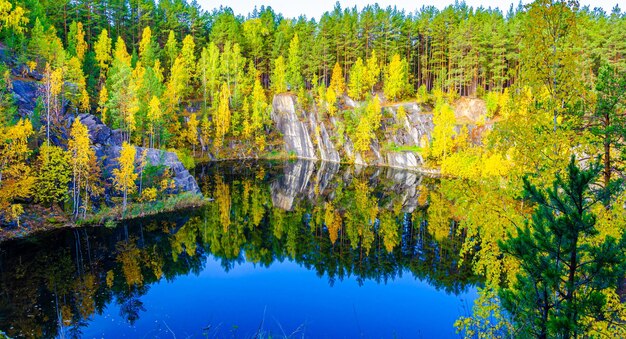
x,y
563,274
171,49
294,64
278,76
607,120
358,85
53,175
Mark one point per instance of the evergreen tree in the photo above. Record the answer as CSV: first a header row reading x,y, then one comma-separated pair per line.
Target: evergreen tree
x,y
563,275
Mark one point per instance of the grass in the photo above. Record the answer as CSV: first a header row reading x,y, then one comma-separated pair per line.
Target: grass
x,y
403,148
275,154
138,210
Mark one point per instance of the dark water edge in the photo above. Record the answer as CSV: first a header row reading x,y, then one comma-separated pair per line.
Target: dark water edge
x,y
259,260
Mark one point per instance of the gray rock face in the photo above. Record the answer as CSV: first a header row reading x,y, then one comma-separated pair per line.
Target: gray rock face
x,y
108,144
25,95
307,136
402,160
326,149
296,135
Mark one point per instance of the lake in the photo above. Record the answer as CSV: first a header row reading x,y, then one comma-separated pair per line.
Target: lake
x,y
295,249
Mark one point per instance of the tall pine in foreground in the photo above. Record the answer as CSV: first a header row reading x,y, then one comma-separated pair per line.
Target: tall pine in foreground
x,y
560,289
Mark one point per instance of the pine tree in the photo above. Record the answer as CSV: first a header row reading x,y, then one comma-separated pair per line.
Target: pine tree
x,y
171,49
559,291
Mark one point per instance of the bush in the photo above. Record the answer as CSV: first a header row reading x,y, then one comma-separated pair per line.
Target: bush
x,y
185,157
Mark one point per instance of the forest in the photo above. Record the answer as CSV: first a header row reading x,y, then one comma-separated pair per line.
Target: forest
x,y
538,195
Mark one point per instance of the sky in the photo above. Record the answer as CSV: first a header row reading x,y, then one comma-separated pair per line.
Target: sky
x,y
315,8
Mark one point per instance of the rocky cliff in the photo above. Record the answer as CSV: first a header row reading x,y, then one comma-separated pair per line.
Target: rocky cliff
x,y
307,135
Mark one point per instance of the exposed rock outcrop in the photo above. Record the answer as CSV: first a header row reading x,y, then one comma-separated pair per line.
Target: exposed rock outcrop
x,y
25,94
108,144
398,144
296,134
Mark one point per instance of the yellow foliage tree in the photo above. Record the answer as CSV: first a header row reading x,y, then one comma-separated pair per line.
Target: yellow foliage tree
x,y
337,82
373,71
103,52
84,166
396,78
358,84
11,17
124,177
16,180
331,101
444,130
222,116
154,117
279,75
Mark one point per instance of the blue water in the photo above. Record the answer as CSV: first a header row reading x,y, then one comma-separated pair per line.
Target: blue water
x,y
394,278
285,300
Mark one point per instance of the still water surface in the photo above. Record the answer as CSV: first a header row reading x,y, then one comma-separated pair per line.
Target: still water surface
x,y
299,249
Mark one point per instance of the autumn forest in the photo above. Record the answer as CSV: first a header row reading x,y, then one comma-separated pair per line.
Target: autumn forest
x,y
112,111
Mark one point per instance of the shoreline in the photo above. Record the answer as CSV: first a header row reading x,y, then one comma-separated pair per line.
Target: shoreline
x,y
177,203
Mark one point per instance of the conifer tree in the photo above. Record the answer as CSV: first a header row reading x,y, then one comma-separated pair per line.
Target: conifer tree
x,y
559,291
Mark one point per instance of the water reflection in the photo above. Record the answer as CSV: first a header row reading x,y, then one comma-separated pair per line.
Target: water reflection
x,y
341,222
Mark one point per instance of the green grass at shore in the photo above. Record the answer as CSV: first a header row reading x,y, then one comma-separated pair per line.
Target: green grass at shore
x,y
137,210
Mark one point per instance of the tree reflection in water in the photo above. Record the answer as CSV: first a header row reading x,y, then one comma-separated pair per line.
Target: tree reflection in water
x,y
365,223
